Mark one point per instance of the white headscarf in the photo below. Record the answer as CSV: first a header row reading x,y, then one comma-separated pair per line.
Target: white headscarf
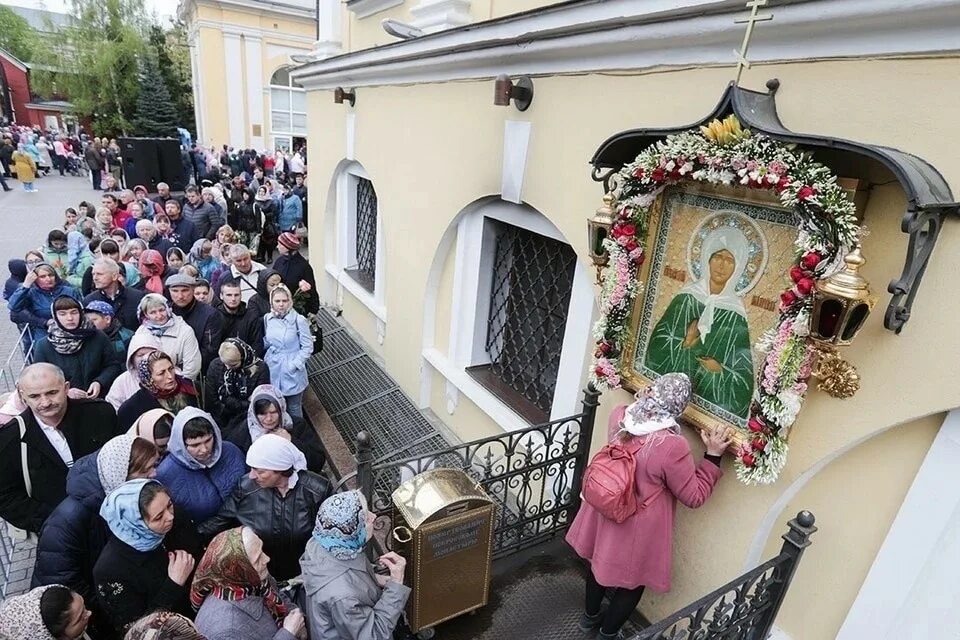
x,y
113,462
719,239
277,454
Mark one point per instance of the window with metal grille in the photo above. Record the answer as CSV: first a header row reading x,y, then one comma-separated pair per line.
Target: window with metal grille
x,y
529,300
366,208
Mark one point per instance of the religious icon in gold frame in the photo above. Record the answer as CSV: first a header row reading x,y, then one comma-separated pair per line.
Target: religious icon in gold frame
x,y
717,260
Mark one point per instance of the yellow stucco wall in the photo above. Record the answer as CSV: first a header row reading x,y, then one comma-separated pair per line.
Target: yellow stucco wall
x,y
432,149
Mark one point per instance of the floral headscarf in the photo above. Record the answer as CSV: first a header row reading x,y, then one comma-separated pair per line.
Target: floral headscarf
x,y
163,625
236,382
225,572
152,299
151,267
658,406
20,616
121,510
173,400
68,341
341,527
267,392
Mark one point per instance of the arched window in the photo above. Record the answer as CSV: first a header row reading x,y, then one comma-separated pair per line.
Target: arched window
x,y
288,109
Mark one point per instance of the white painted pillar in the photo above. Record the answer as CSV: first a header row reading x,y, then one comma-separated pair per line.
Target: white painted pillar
x,y
194,43
329,19
254,52
912,589
233,64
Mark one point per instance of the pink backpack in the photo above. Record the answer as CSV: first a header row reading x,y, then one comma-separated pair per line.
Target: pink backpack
x,y
610,478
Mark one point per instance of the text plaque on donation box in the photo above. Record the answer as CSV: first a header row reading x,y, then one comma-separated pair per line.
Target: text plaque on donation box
x,y
443,526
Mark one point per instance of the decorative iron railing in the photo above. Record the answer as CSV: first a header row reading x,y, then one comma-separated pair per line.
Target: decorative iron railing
x,y
532,474
745,608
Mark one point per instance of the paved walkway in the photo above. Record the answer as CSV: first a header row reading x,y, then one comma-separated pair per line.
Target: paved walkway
x,y
25,219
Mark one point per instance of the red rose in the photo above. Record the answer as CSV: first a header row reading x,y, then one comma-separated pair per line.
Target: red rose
x,y
806,192
811,260
797,273
638,172
782,184
628,229
756,425
604,347
748,460
758,444
599,371
787,298
631,244
639,259
658,174
805,286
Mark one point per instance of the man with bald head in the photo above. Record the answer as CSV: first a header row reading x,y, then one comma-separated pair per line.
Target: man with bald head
x,y
53,432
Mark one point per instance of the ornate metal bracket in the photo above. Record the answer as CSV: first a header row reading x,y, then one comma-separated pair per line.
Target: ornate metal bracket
x,y
923,227
929,199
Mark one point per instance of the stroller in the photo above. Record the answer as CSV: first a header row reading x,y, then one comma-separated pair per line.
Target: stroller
x,y
75,165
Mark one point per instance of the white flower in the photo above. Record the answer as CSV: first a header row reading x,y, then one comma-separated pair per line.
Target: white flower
x,y
670,165
686,168
645,200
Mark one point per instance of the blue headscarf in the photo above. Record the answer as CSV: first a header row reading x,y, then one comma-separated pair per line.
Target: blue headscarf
x,y
121,510
178,448
341,526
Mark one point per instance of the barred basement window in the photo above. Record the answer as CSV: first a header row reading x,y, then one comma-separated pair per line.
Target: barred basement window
x,y
529,300
366,238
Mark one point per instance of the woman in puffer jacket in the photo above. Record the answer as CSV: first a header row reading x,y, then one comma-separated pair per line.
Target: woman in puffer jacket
x,y
177,339
33,300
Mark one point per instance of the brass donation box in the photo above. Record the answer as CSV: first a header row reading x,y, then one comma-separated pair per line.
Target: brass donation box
x,y
443,526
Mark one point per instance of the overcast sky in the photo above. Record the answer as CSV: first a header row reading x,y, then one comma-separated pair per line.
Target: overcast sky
x,y
163,8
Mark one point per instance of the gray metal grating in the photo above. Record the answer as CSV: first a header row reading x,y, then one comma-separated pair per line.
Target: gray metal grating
x,y
351,383
338,347
392,420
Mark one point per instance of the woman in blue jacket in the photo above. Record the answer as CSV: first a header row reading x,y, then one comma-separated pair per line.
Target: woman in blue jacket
x,y
33,299
289,344
291,211
201,469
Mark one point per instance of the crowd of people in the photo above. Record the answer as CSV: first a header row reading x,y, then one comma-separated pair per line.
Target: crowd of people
x,y
156,444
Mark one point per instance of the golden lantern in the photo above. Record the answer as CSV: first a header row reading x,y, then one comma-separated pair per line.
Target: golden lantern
x,y
598,228
841,305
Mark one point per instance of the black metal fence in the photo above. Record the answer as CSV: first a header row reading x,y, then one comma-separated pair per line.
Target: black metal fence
x,y
532,474
745,608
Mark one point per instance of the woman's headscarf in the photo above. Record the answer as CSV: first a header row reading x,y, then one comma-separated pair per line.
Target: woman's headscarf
x,y
178,448
236,381
276,453
172,400
341,527
145,426
68,341
280,287
56,276
267,392
78,249
262,195
121,510
658,406
155,299
151,267
113,462
225,572
720,239
20,617
163,625
204,265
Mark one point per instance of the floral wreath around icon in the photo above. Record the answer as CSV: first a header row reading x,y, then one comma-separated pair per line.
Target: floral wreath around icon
x,y
724,153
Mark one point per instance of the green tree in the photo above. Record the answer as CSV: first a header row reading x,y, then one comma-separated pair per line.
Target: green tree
x,y
173,56
96,62
156,115
16,35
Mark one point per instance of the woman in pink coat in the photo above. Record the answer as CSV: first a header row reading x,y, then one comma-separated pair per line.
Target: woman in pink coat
x,y
637,552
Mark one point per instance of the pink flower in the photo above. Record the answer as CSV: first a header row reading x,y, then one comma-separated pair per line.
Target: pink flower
x,y
806,192
777,167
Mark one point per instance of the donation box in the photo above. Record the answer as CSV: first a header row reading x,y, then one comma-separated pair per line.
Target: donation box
x,y
443,526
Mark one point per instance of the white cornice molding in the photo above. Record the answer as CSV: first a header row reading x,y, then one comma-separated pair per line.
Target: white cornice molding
x,y
365,8
439,15
248,32
292,8
644,34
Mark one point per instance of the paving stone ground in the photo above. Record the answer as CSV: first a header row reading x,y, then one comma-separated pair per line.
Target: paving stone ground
x,y
25,219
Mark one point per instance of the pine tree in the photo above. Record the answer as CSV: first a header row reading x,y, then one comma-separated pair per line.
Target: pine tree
x,y
156,115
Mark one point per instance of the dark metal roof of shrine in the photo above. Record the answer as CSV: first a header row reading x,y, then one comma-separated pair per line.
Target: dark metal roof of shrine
x,y
924,186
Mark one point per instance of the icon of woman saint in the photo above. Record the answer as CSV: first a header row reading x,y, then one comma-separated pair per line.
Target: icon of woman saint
x,y
704,333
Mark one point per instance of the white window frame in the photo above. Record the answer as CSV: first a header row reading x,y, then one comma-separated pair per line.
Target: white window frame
x,y
345,251
290,88
470,308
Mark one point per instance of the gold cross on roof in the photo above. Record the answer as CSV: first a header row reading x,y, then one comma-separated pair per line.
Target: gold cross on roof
x,y
754,17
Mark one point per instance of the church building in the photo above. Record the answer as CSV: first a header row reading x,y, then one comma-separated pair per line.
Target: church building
x,y
458,148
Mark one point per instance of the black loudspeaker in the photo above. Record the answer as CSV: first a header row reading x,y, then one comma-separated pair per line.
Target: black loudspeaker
x,y
149,161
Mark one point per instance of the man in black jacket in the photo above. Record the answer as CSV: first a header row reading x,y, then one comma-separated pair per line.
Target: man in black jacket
x,y
235,320
202,318
296,271
105,274
58,431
